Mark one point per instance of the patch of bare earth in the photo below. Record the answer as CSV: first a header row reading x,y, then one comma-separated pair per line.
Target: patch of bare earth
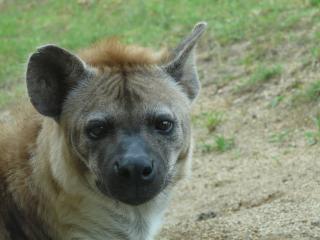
x,y
268,185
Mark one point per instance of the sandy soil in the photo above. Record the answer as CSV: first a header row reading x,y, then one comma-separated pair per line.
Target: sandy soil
x,y
267,186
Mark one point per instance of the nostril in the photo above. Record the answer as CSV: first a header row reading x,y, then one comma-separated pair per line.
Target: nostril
x,y
146,171
134,170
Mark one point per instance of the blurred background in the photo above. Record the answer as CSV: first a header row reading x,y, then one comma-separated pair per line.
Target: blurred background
x,y
256,171
265,24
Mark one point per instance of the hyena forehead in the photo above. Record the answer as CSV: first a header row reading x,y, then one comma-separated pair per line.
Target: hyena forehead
x,y
132,90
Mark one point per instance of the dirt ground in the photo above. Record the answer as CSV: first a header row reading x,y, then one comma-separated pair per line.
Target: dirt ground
x,y
267,186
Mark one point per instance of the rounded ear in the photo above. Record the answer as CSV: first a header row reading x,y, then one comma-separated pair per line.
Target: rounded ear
x,y
183,68
51,73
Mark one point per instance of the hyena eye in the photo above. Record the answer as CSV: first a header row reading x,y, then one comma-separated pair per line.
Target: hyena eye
x,y
96,129
164,126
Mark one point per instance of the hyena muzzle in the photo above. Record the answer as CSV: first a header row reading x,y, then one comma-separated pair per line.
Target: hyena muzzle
x,y
112,138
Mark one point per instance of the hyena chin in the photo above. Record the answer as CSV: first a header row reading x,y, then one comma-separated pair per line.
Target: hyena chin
x,y
112,138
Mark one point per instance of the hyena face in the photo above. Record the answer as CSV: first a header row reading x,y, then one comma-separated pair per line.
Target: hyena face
x,y
130,130
128,124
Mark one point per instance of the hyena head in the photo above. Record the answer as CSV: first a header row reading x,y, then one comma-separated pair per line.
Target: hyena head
x,y
125,119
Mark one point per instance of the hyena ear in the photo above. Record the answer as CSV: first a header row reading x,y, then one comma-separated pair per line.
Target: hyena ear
x,y
183,68
51,74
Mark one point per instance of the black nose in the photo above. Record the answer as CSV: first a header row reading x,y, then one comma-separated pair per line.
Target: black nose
x,y
135,168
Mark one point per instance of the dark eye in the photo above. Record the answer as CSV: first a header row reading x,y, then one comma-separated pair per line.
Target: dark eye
x,y
164,126
96,130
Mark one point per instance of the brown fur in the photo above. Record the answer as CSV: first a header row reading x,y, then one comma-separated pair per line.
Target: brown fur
x,y
112,53
18,191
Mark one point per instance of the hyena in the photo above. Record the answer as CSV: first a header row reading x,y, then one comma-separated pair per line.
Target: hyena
x,y
107,136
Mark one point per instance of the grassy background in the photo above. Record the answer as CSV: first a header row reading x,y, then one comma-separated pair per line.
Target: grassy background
x,y
73,24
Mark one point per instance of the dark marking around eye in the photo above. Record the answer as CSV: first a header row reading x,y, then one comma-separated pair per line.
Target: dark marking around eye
x,y
98,129
163,123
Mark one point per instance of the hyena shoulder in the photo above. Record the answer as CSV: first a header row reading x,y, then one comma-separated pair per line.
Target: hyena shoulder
x,y
18,206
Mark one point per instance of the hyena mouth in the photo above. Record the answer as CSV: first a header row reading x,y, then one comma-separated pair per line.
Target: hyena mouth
x,y
131,192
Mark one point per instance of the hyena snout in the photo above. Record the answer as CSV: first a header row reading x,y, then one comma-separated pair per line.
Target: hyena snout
x,y
137,173
135,168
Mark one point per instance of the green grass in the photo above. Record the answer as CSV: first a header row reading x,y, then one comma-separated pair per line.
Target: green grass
x,y
261,75
224,144
213,120
210,120
315,53
206,147
314,2
219,143
280,137
276,101
74,24
313,137
311,93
